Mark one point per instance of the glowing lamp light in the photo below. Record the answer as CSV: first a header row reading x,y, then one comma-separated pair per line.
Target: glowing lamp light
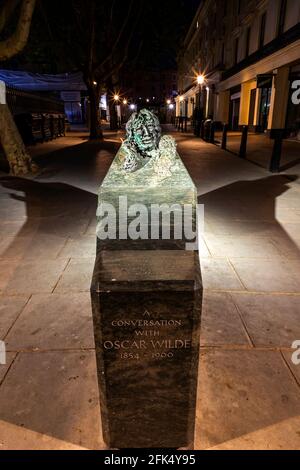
x,y
94,83
200,79
181,98
116,97
147,100
125,101
171,106
132,106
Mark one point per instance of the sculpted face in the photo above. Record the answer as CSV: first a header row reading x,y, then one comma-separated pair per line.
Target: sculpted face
x,y
143,131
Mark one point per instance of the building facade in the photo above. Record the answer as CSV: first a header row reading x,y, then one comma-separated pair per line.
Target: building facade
x,y
249,55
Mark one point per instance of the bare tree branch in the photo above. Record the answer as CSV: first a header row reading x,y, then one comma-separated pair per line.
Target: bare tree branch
x,y
17,41
112,11
6,12
122,29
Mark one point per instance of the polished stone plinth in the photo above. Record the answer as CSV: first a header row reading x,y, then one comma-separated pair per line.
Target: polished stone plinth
x,y
125,192
146,296
146,310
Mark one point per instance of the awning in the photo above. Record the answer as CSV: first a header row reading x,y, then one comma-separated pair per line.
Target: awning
x,y
43,82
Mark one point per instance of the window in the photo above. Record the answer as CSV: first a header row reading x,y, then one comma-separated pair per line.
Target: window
x,y
248,35
262,32
282,15
236,50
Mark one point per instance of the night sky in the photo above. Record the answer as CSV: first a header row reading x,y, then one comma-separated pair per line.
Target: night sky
x,y
157,37
164,27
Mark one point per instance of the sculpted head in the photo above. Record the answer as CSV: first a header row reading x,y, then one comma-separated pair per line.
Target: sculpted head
x,y
143,131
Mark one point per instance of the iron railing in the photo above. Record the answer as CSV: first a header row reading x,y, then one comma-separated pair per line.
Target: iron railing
x,y
25,102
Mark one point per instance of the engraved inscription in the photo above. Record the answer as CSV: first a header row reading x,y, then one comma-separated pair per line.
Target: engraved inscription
x,y
154,338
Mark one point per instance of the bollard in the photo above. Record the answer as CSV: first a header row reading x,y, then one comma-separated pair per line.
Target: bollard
x,y
185,124
243,146
212,133
197,128
277,135
202,129
224,136
207,127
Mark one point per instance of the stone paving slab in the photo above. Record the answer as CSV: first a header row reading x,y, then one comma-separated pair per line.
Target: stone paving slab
x,y
290,248
242,392
287,215
32,246
294,367
271,320
242,247
82,247
10,309
284,435
10,356
53,321
276,275
218,274
27,277
292,230
220,323
14,437
58,398
77,276
229,227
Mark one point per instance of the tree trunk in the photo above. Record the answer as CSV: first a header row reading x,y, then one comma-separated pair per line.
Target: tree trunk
x,y
95,121
113,116
113,120
17,41
19,160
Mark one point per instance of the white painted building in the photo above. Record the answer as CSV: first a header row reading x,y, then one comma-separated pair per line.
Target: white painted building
x,y
249,54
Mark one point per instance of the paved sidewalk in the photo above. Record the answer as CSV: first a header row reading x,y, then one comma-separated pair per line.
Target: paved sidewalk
x,y
249,394
260,148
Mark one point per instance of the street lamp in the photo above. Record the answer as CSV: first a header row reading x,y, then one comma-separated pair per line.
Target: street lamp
x,y
181,98
168,101
200,79
116,97
132,106
125,101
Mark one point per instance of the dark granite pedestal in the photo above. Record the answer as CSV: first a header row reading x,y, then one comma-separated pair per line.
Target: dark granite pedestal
x,y
146,297
146,316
